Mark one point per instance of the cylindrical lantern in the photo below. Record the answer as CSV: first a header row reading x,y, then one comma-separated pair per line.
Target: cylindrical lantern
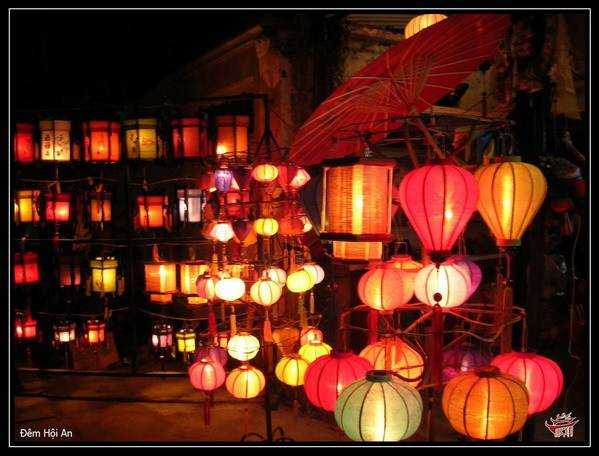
x,y
245,382
299,281
218,354
266,227
266,291
485,404
95,331
265,173
229,289
55,140
189,272
104,274
385,288
191,204
462,359
291,177
309,334
315,270
161,281
64,332
162,338
446,284
511,193
152,210
26,268
24,149
100,207
141,139
232,137
101,141
327,376
69,271
277,274
543,377
421,22
57,207
438,199
25,328
190,137
291,369
205,286
379,408
314,350
26,206
243,346
223,179
356,202
206,374
357,251
396,355
186,340
222,232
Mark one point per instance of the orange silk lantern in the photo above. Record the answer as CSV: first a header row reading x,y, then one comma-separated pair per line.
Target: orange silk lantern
x,y
357,251
421,22
206,374
447,284
397,355
26,268
190,137
25,328
265,173
189,273
95,331
58,207
26,206
100,207
286,339
161,281
24,149
438,199
152,210
245,382
101,141
385,288
55,140
232,137
141,139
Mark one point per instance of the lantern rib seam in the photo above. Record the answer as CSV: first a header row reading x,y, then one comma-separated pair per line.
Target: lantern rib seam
x,y
362,409
499,226
514,200
530,201
466,405
442,231
509,392
395,386
384,411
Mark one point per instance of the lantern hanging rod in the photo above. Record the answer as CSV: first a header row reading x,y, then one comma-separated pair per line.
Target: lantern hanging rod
x,y
74,315
148,241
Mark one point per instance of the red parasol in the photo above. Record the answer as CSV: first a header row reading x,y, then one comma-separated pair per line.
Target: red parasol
x,y
406,80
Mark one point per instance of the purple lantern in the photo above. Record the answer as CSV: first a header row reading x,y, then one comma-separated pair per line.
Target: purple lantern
x,y
223,179
471,268
218,354
462,359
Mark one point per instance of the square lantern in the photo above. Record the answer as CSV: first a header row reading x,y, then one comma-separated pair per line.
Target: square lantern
x,y
26,268
64,332
162,338
101,141
58,207
356,203
232,138
104,274
190,137
221,339
357,251
55,140
161,281
186,340
189,272
141,139
69,271
23,143
95,331
152,210
25,328
100,207
191,204
26,206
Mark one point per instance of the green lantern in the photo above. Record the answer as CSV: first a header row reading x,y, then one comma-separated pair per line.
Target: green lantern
x,y
379,408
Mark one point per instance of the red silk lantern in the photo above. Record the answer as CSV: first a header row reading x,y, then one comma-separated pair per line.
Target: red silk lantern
x,y
438,199
447,284
543,377
206,374
190,137
57,207
101,141
152,210
385,288
26,268
25,328
24,150
327,376
291,177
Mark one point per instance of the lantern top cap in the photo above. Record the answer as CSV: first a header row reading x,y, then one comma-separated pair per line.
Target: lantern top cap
x,y
379,376
487,371
508,158
351,161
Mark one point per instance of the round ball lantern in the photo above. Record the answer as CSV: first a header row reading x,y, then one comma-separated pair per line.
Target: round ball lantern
x,y
511,193
379,408
229,289
218,354
243,346
266,227
485,404
395,354
419,23
309,334
300,281
291,369
206,374
315,270
462,359
245,382
385,288
471,268
266,291
327,376
438,199
543,377
446,284
222,232
205,286
277,274
265,173
314,350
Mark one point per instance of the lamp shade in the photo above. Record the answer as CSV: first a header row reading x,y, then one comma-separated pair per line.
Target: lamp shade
x,y
232,137
357,251
243,346
300,281
101,140
511,194
438,199
161,281
189,137
58,207
96,331
244,232
379,408
100,207
206,374
291,369
277,274
291,225
462,359
313,350
223,179
189,272
24,149
104,274
222,232
152,210
141,139
26,268
266,226
186,340
218,354
446,284
265,173
292,177
397,355
315,270
245,382
26,206
69,271
205,286
385,288
162,338
286,339
485,404
25,328
471,268
266,291
191,204
55,140
421,22
543,377
229,288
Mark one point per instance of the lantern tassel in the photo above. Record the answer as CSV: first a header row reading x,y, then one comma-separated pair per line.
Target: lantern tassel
x,y
233,321
311,302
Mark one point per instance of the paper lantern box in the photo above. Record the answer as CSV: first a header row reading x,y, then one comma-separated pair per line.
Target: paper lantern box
x,y
106,355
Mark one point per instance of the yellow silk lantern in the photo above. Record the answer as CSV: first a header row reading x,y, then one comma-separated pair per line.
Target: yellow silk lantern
x,y
266,291
291,369
229,288
266,226
265,173
186,340
26,210
104,274
189,272
55,140
357,251
314,349
300,281
243,346
161,281
245,382
141,139
419,23
277,274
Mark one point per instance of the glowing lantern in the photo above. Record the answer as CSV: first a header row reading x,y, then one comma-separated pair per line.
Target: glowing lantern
x,y
205,286
266,291
315,270
95,331
64,332
162,338
472,270
357,251
291,226
223,179
101,141
141,139
243,346
405,263
26,268
485,404
206,374
356,202
419,23
300,281
189,273
327,376
511,194
446,284
222,232
26,210
161,281
25,328
265,173
244,232
104,274
462,359
245,382
307,223
229,289
218,354
232,137
69,271
385,288
221,339
379,408
190,137
291,369
395,354
291,177
286,339
266,227
277,274
55,140
438,199
186,340
152,210
100,207
57,207
191,203
314,350
543,377
309,334
24,150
